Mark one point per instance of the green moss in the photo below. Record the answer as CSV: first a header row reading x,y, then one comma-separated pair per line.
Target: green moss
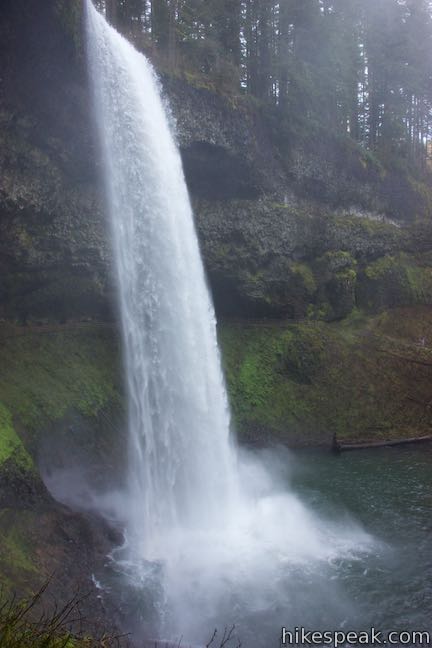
x,y
361,236
303,383
197,80
49,371
223,250
337,273
253,278
420,282
370,161
261,391
347,276
323,311
381,267
31,160
18,564
15,549
305,273
304,353
424,193
11,446
395,281
337,260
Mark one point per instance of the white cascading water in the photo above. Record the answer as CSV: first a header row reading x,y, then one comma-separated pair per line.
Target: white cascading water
x,y
222,529
180,453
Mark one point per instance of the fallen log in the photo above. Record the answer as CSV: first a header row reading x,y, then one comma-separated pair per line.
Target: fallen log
x,y
340,446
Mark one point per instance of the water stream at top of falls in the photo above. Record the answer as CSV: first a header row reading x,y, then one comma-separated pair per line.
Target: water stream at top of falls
x,y
222,529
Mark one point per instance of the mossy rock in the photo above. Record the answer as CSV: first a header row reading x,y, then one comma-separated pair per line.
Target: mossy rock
x,y
341,293
362,238
337,273
394,281
61,395
306,276
269,259
336,261
12,449
266,372
303,354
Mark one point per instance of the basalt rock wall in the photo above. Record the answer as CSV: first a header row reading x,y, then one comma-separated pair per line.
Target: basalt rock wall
x,y
282,236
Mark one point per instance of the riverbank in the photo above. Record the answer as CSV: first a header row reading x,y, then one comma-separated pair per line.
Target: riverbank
x,y
301,383
297,383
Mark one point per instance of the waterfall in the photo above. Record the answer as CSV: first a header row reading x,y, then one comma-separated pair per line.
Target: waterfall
x,y
222,548
181,463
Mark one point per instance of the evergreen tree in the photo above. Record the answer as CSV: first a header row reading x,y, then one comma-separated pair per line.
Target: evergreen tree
x,y
361,68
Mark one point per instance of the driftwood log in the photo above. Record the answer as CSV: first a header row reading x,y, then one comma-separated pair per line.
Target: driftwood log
x,y
340,446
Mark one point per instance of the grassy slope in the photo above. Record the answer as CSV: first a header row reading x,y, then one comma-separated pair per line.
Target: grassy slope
x,y
361,378
48,371
49,375
299,382
11,446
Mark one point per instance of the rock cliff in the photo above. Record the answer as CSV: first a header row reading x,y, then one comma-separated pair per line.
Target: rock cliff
x,y
284,233
318,256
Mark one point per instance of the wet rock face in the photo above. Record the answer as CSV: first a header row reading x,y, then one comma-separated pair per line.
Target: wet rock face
x,y
266,259
53,251
215,173
227,151
264,225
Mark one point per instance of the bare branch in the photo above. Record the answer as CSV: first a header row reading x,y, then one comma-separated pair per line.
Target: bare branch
x,y
212,639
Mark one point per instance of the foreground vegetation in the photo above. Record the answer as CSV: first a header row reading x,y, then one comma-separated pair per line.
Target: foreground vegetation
x,y
367,375
27,624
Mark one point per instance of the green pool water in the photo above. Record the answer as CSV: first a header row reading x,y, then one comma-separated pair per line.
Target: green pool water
x,y
388,492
